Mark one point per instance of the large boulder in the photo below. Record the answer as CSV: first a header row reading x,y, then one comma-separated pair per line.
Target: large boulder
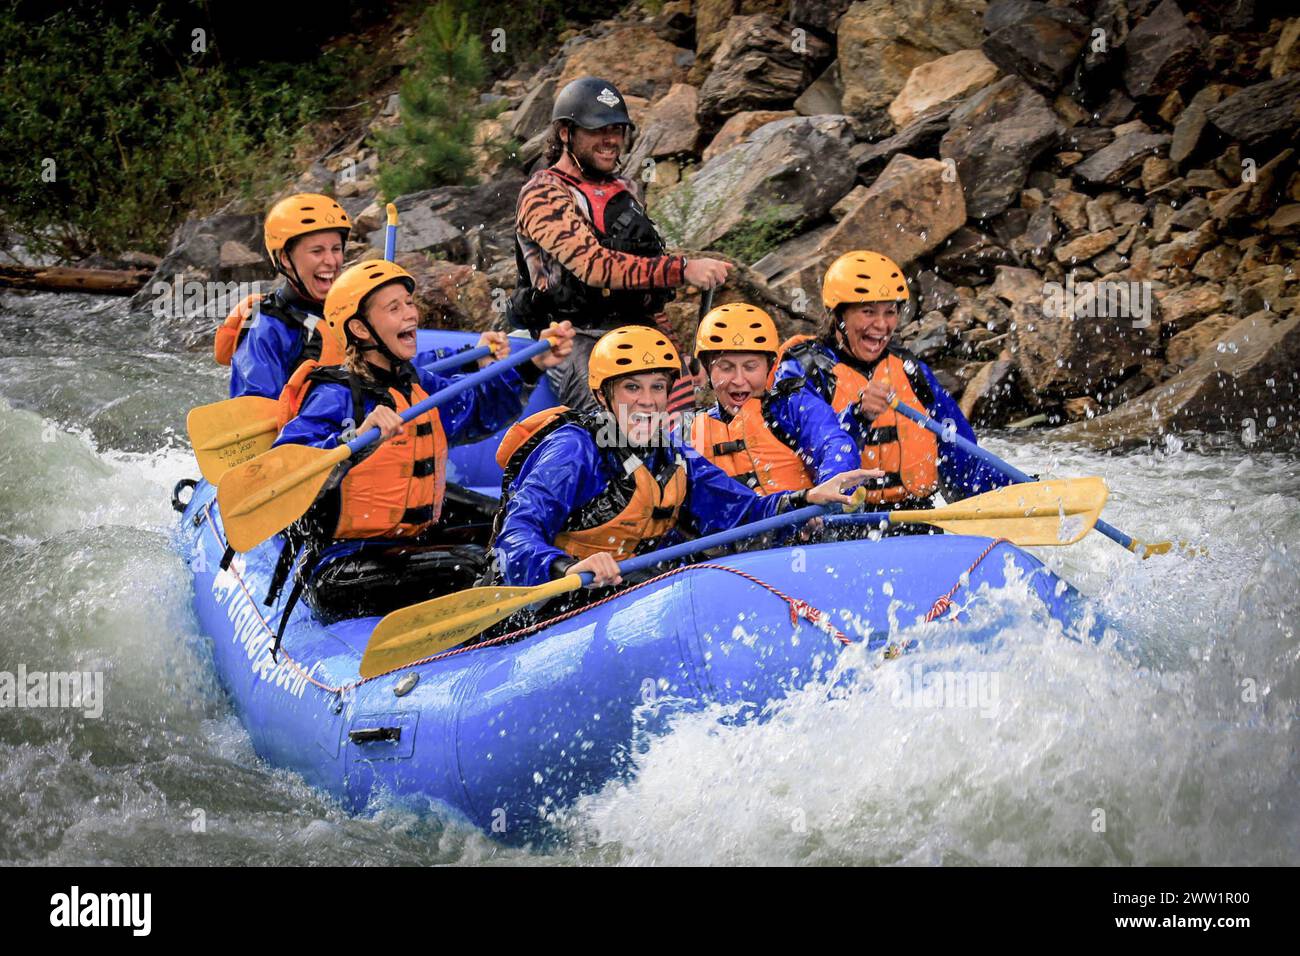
x,y
534,113
910,209
1191,122
948,78
633,57
1245,383
788,171
737,127
1261,112
1161,53
1112,164
756,67
1035,41
919,137
823,15
1190,344
669,128
825,95
1286,52
880,42
224,248
994,138
713,16
1062,350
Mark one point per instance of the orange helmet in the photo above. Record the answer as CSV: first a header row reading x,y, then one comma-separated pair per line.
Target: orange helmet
x,y
736,327
862,276
628,350
343,302
298,215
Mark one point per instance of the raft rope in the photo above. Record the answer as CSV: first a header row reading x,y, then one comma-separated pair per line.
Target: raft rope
x,y
944,601
799,609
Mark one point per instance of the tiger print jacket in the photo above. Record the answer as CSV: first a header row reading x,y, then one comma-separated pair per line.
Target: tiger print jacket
x,y
554,230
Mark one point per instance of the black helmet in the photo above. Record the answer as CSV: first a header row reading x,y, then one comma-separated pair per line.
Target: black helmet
x,y
591,103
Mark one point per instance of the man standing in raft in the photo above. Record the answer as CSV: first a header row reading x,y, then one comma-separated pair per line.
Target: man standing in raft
x,y
783,439
395,493
855,366
582,491
264,342
585,249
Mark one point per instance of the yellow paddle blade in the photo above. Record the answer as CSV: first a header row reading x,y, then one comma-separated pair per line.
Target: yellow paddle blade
x,y
264,496
425,629
1037,513
229,433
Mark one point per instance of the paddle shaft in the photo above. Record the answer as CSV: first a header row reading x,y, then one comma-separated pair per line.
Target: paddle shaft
x,y
458,359
730,536
1006,468
883,518
444,395
390,234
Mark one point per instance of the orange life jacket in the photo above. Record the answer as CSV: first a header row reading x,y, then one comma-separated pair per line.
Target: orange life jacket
x,y
397,490
637,507
232,329
753,448
906,452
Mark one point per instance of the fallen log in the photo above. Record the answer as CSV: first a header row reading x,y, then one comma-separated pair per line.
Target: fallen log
x,y
67,279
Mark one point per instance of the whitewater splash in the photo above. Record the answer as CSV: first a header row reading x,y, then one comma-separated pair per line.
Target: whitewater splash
x,y
1176,743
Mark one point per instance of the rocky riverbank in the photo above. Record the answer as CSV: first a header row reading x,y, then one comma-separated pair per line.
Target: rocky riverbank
x,y
1097,203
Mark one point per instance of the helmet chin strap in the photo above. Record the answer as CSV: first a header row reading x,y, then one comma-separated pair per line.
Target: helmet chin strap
x,y
376,344
295,279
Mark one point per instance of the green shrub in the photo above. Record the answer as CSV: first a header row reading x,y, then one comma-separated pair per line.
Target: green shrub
x,y
137,137
756,236
433,144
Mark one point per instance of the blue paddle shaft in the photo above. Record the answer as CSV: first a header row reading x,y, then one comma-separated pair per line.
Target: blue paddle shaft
x,y
390,242
1006,468
870,517
458,359
739,533
443,396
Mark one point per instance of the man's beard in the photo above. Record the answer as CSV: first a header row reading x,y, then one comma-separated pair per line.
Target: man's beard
x,y
586,160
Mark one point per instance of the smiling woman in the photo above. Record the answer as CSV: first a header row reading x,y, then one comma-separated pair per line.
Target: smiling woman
x,y
395,495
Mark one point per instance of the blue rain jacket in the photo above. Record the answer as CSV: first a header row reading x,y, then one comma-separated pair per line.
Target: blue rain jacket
x,y
567,469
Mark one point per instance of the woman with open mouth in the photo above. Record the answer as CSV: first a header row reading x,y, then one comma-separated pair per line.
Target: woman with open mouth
x,y
393,495
856,367
781,439
264,339
583,491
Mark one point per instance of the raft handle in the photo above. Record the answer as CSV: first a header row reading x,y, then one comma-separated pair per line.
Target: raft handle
x,y
181,485
371,735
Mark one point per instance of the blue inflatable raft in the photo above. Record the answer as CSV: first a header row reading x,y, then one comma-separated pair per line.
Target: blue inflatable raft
x,y
505,732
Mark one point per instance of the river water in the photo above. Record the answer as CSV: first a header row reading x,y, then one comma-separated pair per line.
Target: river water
x,y
1177,744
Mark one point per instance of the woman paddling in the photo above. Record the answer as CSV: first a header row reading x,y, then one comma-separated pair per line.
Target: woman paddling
x,y
394,495
582,490
264,339
855,366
